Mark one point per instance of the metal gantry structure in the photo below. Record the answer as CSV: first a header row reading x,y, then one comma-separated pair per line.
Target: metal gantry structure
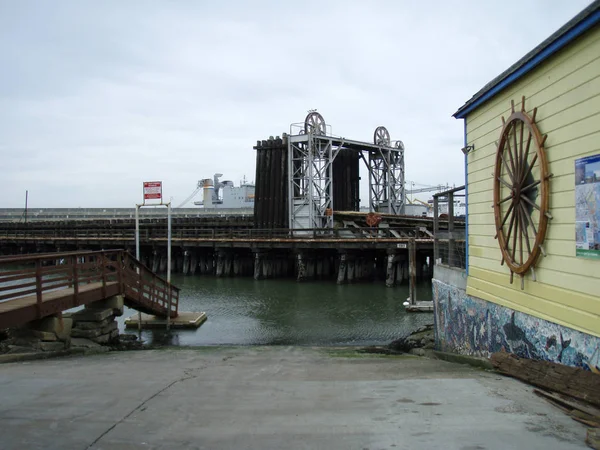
x,y
312,150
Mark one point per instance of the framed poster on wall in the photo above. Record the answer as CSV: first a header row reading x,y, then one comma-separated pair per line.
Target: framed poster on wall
x,y
587,207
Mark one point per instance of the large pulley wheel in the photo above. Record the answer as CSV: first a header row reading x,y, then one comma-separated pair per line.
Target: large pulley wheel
x,y
521,192
314,124
381,136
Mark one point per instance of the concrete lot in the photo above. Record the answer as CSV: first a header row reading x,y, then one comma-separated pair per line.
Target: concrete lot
x,y
271,398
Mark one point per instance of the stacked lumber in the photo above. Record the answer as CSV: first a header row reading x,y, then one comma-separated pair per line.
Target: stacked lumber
x,y
572,381
571,389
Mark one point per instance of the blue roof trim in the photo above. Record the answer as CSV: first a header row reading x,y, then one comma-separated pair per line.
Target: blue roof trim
x,y
552,48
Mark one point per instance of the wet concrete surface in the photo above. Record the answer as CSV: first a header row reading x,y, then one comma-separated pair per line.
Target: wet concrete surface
x,y
271,398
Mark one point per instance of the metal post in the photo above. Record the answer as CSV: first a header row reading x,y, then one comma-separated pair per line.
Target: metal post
x,y
38,287
329,219
75,281
451,258
26,199
436,229
311,180
169,263
137,232
388,181
371,197
137,256
412,271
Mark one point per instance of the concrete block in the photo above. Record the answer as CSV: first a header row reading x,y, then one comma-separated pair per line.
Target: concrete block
x,y
83,343
52,346
45,336
417,351
88,334
109,328
116,303
20,349
93,325
65,332
92,314
183,320
107,338
26,341
50,324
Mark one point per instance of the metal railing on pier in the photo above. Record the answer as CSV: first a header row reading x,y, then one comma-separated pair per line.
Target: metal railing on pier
x,y
218,234
449,239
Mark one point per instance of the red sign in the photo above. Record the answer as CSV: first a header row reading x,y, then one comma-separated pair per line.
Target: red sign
x,y
152,190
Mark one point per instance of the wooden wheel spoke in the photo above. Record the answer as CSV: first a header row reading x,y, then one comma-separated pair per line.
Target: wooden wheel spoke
x,y
531,186
519,235
505,183
510,208
512,161
531,203
505,199
510,174
525,222
524,177
510,229
526,155
529,220
523,161
516,150
514,244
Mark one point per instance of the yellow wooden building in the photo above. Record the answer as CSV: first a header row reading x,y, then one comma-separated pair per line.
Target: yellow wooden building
x,y
547,105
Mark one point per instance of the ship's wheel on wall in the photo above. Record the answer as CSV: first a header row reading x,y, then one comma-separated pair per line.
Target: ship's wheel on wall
x,y
521,192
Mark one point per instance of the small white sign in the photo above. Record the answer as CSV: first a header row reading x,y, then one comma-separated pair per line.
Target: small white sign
x,y
152,190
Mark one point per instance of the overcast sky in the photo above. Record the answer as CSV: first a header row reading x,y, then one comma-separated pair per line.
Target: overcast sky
x,y
98,96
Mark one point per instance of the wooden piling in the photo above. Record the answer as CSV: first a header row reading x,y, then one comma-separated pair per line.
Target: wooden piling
x,y
341,277
390,276
412,269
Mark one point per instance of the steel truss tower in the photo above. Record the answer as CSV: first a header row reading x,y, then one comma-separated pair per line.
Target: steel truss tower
x,y
311,153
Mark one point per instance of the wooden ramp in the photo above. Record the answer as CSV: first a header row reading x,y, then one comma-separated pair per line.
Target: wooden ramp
x,y
36,286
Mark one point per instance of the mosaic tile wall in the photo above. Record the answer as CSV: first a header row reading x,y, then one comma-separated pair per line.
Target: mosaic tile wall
x,y
472,326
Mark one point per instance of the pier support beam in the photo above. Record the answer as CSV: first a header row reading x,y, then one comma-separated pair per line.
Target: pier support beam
x,y
341,275
237,265
220,264
412,272
155,261
301,262
258,260
193,262
186,262
390,274
351,266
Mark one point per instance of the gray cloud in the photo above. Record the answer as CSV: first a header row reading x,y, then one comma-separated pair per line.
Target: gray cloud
x,y
96,97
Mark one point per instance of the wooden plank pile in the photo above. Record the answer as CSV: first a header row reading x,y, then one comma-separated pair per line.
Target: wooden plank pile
x,y
574,390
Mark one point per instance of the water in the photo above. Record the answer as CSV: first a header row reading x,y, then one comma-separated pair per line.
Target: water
x,y
243,311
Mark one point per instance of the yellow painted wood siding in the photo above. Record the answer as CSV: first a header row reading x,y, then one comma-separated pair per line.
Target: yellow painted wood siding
x,y
566,91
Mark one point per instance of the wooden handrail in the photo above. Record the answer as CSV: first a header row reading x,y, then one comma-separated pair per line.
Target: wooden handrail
x,y
69,270
11,259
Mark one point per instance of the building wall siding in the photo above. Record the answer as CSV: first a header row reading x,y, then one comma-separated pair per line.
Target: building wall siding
x,y
566,91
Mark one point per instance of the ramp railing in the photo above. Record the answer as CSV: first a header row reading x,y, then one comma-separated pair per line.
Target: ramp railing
x,y
67,278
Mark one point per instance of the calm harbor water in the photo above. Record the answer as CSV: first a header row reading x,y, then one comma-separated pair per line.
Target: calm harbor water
x,y
243,311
